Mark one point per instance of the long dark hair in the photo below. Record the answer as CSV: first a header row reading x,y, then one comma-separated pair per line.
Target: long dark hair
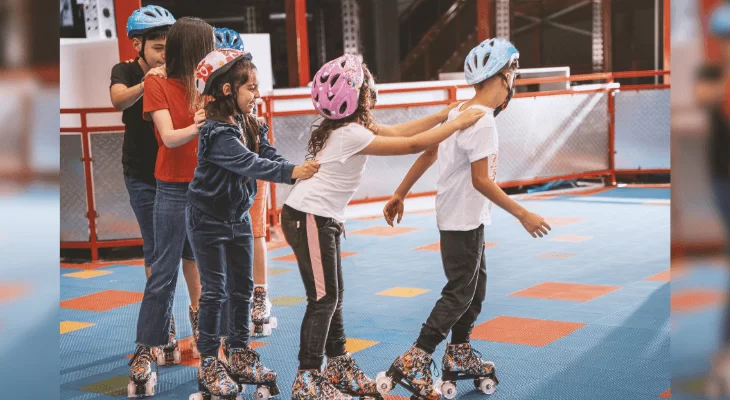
x,y
189,41
223,107
362,116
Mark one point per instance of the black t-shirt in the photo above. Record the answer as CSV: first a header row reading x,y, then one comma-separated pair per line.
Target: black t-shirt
x,y
720,144
139,151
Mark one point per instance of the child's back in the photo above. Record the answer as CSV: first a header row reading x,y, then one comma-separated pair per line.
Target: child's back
x,y
459,206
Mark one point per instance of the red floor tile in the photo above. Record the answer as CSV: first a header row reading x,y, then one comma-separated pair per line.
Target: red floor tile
x,y
103,301
102,264
664,276
695,300
666,395
9,292
565,291
437,246
524,331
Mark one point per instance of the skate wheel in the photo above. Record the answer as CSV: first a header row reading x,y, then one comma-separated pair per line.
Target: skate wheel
x,y
447,389
267,330
273,322
131,389
176,356
196,396
383,382
487,385
262,393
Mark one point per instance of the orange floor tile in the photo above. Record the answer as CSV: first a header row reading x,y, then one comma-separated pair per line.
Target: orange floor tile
x,y
695,300
9,291
437,246
572,239
560,256
665,276
666,395
383,231
565,291
102,264
292,258
103,301
524,331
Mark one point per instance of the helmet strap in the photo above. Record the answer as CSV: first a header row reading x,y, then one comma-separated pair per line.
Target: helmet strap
x,y
510,93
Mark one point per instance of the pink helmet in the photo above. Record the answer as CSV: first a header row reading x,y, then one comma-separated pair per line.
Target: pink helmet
x,y
336,87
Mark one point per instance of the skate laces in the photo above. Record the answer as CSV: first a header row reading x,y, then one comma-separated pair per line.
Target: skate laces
x,y
142,352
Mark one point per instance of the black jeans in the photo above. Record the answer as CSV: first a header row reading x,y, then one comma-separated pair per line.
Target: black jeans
x,y
224,253
316,244
462,253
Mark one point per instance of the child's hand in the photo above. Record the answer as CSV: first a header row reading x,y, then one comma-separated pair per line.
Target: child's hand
x,y
444,114
157,71
535,224
393,208
199,118
306,170
468,118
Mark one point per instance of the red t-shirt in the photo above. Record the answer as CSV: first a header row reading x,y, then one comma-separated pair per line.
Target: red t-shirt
x,y
178,164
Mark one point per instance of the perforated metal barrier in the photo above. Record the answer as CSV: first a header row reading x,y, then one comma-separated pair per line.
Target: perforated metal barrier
x,y
642,129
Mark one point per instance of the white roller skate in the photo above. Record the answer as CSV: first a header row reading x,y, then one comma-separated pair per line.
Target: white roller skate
x,y
247,369
214,381
170,353
411,370
462,362
262,323
142,375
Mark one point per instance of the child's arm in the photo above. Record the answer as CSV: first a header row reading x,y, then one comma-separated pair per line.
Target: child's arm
x,y
410,128
395,146
422,164
228,152
123,96
533,223
176,137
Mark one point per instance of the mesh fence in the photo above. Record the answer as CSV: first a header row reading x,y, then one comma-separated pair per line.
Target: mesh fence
x,y
642,129
116,219
74,225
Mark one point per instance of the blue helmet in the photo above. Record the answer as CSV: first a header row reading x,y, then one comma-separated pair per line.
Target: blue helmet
x,y
720,20
228,39
148,18
488,58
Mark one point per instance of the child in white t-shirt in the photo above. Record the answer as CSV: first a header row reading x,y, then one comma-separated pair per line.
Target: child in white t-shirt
x,y
343,92
466,191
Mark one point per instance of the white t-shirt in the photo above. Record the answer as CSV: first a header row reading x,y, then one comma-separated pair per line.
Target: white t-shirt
x,y
460,207
327,192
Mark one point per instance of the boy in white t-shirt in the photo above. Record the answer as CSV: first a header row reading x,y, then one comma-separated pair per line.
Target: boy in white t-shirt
x,y
466,191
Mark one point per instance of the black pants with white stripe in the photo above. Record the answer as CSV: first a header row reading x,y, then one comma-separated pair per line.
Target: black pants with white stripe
x,y
316,244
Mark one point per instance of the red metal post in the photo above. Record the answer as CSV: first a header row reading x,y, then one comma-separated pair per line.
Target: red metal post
x,y
91,206
712,47
122,10
667,38
485,19
297,42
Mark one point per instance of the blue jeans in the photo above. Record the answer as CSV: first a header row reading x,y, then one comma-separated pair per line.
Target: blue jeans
x,y
171,243
224,252
142,200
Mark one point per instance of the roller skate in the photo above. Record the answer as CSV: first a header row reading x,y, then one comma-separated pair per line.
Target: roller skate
x,y
262,323
462,362
142,377
347,377
170,353
214,381
310,384
194,325
246,369
412,370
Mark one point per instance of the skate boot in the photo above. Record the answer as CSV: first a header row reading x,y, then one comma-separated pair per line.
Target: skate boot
x,y
170,353
194,325
142,375
262,323
310,384
412,370
214,381
462,362
246,369
347,377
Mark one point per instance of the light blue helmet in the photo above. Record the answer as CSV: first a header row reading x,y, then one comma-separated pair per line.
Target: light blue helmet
x,y
228,39
148,18
488,58
720,20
